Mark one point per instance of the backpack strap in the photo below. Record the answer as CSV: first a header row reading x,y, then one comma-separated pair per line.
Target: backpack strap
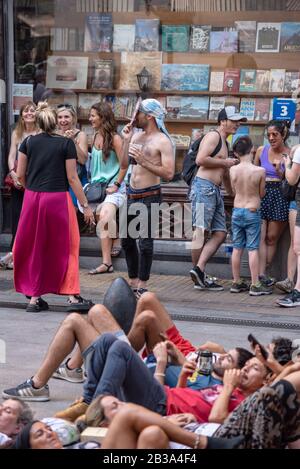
x,y
219,145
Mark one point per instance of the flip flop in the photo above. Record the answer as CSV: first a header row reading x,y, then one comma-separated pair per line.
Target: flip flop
x,y
115,251
109,270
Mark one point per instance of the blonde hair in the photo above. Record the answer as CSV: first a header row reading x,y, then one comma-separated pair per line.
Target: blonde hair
x,y
46,117
20,126
94,416
69,108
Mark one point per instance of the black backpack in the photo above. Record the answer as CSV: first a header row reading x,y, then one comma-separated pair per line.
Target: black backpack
x,y
189,166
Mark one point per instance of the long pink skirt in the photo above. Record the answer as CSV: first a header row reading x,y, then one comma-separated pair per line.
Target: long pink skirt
x,y
46,249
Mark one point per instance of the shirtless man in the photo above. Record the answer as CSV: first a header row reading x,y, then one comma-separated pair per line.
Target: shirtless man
x,y
248,184
205,190
152,157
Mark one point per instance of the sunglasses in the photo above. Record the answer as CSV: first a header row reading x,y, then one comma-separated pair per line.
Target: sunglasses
x,y
67,106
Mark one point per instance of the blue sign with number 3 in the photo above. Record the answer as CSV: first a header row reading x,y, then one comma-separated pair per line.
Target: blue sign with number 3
x,y
284,109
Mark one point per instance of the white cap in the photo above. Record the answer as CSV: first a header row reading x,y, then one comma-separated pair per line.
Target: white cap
x,y
229,113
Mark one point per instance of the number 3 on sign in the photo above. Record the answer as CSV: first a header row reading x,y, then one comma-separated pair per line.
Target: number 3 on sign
x,y
284,111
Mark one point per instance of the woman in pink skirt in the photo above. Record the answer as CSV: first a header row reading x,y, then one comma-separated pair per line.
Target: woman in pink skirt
x,y
46,249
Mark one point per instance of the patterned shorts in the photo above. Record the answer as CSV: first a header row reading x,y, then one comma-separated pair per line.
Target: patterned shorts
x,y
274,207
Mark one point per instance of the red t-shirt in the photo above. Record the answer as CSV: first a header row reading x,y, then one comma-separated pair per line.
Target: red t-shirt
x,y
198,403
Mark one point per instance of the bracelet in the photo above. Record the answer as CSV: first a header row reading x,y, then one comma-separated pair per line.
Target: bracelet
x,y
197,441
116,183
160,374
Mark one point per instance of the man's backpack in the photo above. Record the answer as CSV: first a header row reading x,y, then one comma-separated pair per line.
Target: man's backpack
x,y
189,167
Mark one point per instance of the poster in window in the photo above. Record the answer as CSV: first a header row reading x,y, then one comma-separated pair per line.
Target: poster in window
x,y
21,94
67,72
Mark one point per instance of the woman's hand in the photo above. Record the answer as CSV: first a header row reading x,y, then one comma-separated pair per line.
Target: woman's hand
x,y
180,420
71,133
13,175
111,189
89,216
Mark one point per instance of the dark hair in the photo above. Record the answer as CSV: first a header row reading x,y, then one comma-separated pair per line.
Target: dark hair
x,y
108,126
243,356
283,350
242,146
282,127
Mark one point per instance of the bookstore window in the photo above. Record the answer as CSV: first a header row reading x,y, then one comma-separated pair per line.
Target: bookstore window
x,y
200,55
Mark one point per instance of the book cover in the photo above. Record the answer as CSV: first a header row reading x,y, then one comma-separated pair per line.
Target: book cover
x,y
200,38
241,132
133,62
292,82
233,101
277,76
181,140
248,80
85,102
103,73
98,32
66,72
262,109
224,42
268,37
262,80
21,94
257,135
185,77
194,107
247,108
246,35
146,35
216,80
173,104
216,104
89,132
123,37
290,37
231,80
175,38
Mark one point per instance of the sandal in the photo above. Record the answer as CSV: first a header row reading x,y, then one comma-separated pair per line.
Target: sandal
x,y
109,270
139,292
115,251
82,305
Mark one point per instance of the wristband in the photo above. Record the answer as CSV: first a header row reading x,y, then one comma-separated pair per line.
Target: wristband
x,y
160,374
197,441
116,183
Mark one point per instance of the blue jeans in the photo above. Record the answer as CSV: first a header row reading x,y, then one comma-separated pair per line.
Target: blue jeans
x,y
206,195
115,369
246,227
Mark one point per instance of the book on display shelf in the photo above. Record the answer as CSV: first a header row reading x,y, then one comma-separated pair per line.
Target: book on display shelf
x,y
247,80
290,37
185,77
231,80
247,108
133,62
146,35
200,38
103,73
123,37
262,109
194,107
268,37
173,104
85,102
277,78
292,82
98,32
262,80
216,104
246,35
175,38
224,42
216,80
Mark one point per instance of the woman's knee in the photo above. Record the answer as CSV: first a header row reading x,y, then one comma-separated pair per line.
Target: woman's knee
x,y
153,437
146,317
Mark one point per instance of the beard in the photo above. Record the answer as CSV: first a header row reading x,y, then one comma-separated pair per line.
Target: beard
x,y
218,370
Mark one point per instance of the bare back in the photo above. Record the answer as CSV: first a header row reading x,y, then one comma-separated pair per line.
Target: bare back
x,y
155,146
248,183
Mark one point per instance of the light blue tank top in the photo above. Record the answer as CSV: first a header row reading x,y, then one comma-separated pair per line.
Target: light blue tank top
x,y
103,171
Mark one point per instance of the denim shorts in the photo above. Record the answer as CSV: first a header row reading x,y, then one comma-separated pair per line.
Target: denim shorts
x,y
293,205
207,205
246,227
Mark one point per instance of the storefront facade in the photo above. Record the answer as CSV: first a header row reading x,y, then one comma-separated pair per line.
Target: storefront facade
x,y
200,55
